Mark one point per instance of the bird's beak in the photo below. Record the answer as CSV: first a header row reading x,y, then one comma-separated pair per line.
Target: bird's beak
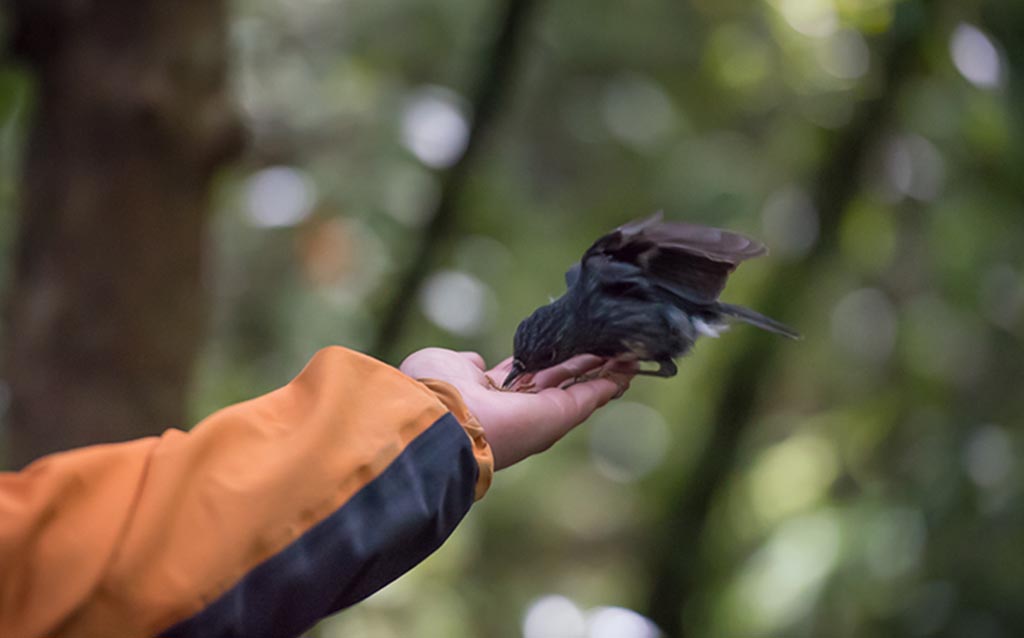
x,y
515,373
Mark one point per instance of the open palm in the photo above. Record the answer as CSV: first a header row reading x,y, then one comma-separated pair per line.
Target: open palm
x,y
519,424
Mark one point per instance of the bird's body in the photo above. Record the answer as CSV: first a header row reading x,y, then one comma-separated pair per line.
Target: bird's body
x,y
643,292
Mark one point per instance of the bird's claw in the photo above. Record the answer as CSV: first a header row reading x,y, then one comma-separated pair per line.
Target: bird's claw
x,y
525,386
607,371
580,378
528,386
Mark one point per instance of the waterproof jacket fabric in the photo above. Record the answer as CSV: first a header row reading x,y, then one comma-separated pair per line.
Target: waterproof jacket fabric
x,y
261,520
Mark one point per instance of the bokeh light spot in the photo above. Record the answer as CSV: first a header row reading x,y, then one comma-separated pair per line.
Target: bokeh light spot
x,y
943,343
864,325
1002,296
975,56
894,539
411,194
554,617
627,440
618,622
279,196
845,55
813,18
434,126
791,476
988,457
457,302
327,251
790,222
914,167
638,112
782,580
739,57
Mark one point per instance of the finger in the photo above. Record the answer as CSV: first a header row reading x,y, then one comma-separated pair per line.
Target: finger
x,y
502,368
562,410
542,419
591,395
568,369
622,381
627,368
474,358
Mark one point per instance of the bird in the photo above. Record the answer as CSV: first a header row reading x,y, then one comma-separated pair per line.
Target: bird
x,y
642,293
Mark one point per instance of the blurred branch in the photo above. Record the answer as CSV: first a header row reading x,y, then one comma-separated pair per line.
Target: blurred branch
x,y
675,558
493,80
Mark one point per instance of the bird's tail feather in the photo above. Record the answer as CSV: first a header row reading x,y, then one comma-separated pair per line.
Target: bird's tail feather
x,y
757,319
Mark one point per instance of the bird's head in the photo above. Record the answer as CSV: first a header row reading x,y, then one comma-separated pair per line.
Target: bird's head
x,y
539,342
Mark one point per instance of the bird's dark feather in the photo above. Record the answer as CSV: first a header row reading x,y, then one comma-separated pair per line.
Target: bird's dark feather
x,y
644,291
689,261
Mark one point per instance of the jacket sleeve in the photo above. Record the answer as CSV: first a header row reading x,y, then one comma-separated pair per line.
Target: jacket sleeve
x,y
264,518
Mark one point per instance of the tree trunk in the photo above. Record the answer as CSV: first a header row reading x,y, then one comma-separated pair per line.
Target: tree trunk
x,y
106,306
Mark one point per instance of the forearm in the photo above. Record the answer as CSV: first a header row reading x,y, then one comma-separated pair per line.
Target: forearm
x,y
267,516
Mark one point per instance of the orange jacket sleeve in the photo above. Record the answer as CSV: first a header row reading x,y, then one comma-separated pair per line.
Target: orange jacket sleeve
x,y
264,518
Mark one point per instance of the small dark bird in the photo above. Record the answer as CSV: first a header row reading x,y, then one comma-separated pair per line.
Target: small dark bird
x,y
643,292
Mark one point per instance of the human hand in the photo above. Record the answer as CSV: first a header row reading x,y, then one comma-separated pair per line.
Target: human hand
x,y
519,424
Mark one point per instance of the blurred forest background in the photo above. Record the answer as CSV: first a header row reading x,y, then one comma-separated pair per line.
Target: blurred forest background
x,y
196,196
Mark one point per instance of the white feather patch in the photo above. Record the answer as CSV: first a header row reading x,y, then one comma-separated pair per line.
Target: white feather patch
x,y
713,330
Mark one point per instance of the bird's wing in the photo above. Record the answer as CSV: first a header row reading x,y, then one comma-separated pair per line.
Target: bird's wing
x,y
686,260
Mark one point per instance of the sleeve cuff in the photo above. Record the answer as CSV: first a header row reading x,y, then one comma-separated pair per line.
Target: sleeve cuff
x,y
481,448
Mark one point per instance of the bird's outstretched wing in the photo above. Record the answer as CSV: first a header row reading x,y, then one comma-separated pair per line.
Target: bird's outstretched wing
x,y
686,260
